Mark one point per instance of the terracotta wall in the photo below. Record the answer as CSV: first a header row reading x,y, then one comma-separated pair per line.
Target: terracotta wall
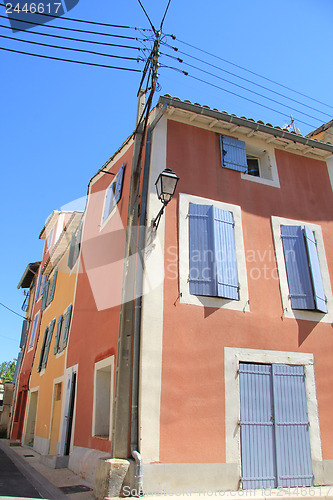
x,y
95,322
194,337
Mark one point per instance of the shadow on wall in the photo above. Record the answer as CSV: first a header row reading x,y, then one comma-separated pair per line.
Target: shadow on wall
x,y
305,328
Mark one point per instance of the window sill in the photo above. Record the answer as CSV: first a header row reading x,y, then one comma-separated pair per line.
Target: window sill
x,y
261,180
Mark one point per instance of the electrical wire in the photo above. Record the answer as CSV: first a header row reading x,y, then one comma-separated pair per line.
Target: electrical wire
x,y
72,49
234,94
249,71
251,91
11,310
76,20
69,60
241,78
144,10
107,44
165,13
74,29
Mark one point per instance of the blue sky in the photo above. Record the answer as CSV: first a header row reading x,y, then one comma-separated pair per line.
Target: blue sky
x,y
60,121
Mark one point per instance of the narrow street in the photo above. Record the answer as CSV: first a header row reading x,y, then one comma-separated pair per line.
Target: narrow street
x,y
13,483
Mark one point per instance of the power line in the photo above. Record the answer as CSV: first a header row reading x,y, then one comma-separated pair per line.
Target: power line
x,y
11,310
234,93
144,10
72,19
74,29
107,44
249,71
69,60
241,78
251,91
165,13
71,48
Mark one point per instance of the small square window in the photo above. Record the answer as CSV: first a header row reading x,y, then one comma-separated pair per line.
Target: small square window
x,y
253,166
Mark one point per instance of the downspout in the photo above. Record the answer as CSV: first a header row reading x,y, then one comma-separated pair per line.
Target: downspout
x,y
138,304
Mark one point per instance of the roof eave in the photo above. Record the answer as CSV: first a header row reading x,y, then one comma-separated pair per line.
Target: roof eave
x,y
243,122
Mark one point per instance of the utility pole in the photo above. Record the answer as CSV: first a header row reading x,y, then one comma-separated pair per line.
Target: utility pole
x,y
122,412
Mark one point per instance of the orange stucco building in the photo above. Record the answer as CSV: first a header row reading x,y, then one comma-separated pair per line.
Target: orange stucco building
x,y
202,348
41,423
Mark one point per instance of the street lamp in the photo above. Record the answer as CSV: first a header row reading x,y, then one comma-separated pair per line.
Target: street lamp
x,y
165,186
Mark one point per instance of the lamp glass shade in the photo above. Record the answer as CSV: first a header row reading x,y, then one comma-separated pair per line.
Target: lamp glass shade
x,y
166,185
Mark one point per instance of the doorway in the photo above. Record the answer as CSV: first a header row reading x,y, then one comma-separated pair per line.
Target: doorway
x,y
31,420
275,444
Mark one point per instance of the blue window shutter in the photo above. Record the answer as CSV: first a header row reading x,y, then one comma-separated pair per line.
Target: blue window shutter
x,y
43,349
54,281
318,287
70,261
78,242
225,254
25,327
233,154
17,366
38,287
119,184
257,426
202,276
298,273
293,455
67,324
56,343
45,294
48,343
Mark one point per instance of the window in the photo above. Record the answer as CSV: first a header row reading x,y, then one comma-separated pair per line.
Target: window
x,y
304,279
254,160
49,240
63,326
103,389
212,268
113,193
75,245
37,295
213,265
46,346
33,332
49,289
306,289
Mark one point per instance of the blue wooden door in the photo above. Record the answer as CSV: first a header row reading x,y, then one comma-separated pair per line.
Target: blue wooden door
x,y
293,455
257,426
275,444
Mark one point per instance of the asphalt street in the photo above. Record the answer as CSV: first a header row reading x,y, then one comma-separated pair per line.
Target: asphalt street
x,y
13,483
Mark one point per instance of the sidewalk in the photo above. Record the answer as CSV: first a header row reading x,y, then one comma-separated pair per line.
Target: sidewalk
x,y
62,484
53,484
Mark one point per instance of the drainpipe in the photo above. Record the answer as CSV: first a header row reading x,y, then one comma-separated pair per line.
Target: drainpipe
x,y
138,304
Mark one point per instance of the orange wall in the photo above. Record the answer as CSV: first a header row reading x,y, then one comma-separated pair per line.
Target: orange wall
x,y
95,322
63,297
192,402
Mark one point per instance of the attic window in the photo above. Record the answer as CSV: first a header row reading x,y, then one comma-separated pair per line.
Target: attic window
x,y
254,160
253,166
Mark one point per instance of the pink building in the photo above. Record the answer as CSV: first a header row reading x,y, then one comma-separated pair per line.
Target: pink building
x,y
215,373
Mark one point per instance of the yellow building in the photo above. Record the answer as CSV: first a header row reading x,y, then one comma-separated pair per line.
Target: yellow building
x,y
57,280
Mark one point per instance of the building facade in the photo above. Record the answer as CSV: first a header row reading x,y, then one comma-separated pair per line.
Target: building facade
x,y
202,348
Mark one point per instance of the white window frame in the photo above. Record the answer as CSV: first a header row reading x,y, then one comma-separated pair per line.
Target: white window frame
x,y
288,312
267,161
33,332
102,365
49,240
184,262
232,358
111,186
